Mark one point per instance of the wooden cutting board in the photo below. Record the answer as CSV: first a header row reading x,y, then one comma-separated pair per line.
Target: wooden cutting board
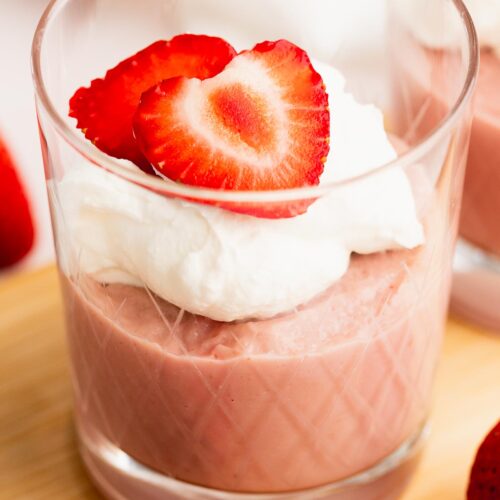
x,y
38,455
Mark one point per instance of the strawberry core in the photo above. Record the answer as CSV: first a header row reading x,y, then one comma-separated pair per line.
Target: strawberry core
x,y
245,116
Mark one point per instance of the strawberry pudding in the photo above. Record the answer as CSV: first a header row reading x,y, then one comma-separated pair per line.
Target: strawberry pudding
x,y
244,326
480,218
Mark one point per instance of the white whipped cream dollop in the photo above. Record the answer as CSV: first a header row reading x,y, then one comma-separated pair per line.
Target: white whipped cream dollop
x,y
228,266
432,22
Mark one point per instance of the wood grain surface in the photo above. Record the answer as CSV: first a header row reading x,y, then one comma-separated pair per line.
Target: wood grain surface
x,y
38,454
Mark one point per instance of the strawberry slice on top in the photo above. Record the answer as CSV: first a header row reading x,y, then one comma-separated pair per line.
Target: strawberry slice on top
x,y
263,123
104,111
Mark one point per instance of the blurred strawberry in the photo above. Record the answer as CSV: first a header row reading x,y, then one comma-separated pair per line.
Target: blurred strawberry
x,y
484,481
16,224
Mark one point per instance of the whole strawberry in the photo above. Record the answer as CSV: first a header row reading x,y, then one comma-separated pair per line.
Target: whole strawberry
x,y
16,224
484,483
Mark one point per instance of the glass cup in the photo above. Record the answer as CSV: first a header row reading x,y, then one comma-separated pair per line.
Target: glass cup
x,y
327,399
476,282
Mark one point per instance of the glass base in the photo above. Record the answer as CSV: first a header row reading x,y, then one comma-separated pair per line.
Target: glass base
x,y
476,286
119,477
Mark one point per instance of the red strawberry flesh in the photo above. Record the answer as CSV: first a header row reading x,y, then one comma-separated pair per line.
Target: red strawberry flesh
x,y
16,224
242,114
104,111
263,123
484,481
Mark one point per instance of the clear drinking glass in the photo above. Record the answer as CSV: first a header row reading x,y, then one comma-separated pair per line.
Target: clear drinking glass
x,y
476,282
327,400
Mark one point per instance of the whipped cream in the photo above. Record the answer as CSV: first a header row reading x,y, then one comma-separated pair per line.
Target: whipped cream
x,y
432,22
229,266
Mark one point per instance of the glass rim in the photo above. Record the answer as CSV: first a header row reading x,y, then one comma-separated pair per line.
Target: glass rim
x,y
157,184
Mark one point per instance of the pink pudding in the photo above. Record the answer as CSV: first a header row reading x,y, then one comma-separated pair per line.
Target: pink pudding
x,y
293,402
480,217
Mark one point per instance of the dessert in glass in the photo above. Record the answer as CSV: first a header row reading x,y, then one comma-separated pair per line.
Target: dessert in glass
x,y
254,254
476,284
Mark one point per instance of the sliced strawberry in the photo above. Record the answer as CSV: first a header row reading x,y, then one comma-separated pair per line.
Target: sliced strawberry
x,y
16,224
263,123
104,110
484,483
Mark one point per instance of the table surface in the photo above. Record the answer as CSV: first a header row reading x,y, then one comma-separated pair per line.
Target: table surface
x,y
38,455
